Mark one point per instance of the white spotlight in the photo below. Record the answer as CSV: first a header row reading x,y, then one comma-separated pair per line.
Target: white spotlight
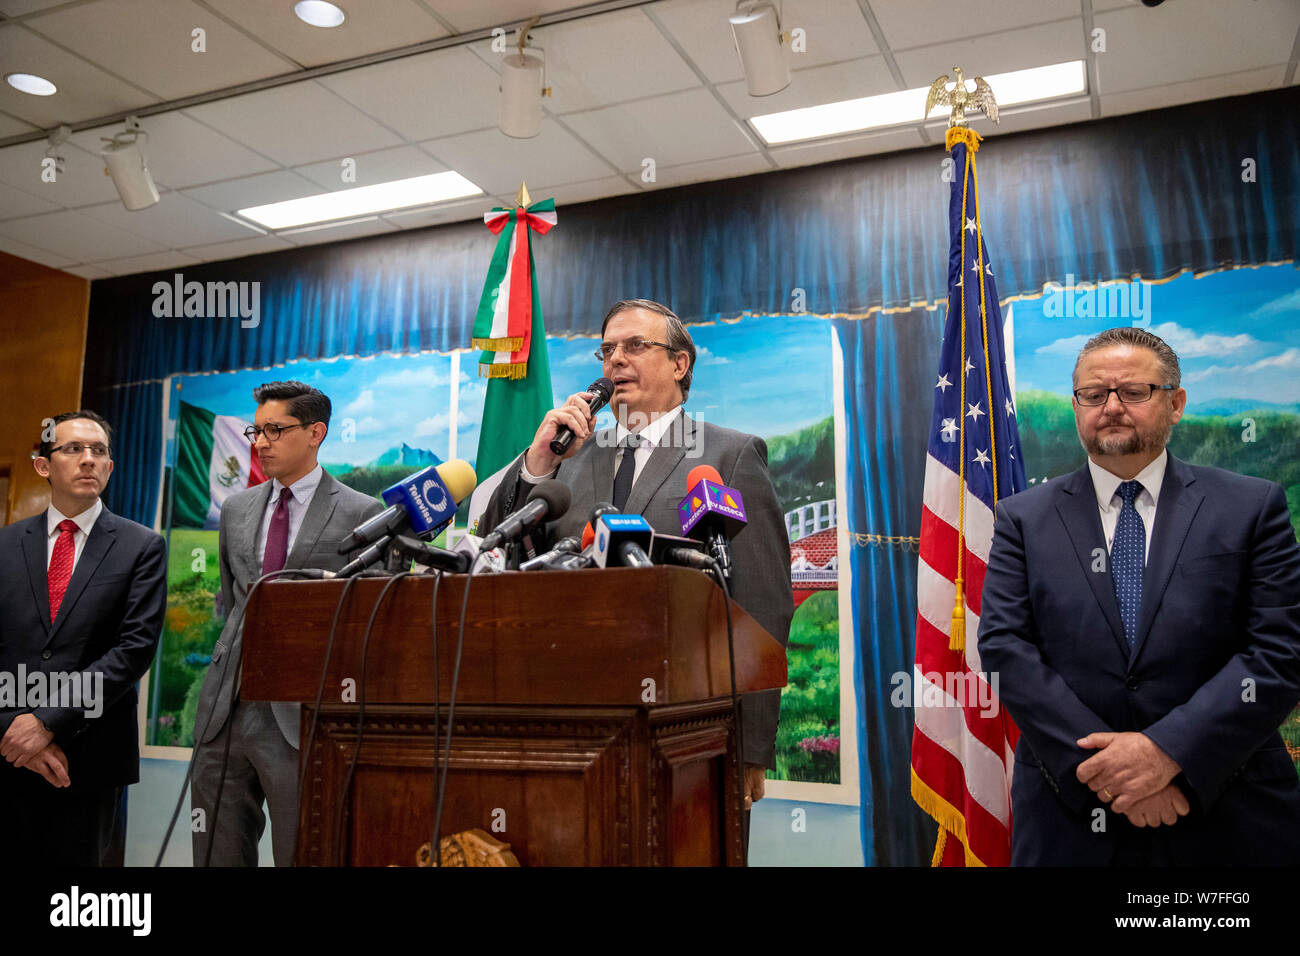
x,y
523,84
764,56
125,161
31,83
318,13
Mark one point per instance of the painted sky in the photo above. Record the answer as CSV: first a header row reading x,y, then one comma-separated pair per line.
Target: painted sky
x,y
1237,334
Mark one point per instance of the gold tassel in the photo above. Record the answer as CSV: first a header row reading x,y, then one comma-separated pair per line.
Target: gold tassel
x,y
513,344
957,635
962,134
513,370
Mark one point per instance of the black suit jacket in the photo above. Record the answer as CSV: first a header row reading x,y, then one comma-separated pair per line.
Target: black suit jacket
x,y
1214,671
109,624
760,552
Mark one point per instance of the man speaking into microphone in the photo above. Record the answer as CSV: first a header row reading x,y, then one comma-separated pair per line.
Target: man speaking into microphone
x,y
642,466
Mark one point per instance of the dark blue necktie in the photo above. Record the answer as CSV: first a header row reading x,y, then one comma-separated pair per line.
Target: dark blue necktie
x,y
1128,558
626,471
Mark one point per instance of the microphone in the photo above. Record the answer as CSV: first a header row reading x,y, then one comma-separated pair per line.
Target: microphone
x,y
713,513
457,562
601,390
424,503
687,552
582,559
621,541
564,548
366,558
550,500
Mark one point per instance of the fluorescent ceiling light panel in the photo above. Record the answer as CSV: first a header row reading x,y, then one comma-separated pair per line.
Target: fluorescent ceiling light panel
x,y
908,106
363,200
31,83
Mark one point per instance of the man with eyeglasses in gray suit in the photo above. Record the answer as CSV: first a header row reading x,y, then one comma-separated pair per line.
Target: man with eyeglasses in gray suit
x,y
295,520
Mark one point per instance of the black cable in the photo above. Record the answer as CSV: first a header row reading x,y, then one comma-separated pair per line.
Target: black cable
x,y
735,700
435,851
361,712
451,712
320,696
194,752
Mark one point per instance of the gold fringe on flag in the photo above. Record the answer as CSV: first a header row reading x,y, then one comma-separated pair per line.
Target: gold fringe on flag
x,y
950,820
512,344
962,134
503,370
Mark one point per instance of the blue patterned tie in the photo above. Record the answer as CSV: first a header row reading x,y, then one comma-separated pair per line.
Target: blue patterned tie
x,y
1127,559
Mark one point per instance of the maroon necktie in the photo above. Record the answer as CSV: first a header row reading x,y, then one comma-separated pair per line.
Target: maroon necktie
x,y
60,572
277,536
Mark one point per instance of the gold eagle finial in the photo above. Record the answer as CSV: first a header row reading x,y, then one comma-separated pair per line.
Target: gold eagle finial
x,y
961,99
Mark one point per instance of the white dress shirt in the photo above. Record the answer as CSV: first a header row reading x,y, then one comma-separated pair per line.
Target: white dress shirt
x,y
303,490
650,437
85,521
1106,485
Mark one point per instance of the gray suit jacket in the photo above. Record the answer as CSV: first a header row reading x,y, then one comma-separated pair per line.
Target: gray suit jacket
x,y
760,553
334,511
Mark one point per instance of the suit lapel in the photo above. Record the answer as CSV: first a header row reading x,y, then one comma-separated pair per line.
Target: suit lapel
x,y
1175,510
35,546
314,521
1077,506
248,529
663,460
98,544
602,466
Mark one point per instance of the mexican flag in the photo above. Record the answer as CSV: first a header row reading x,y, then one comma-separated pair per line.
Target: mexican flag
x,y
213,461
509,328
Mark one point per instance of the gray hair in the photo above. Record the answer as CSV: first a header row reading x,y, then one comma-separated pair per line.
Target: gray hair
x,y
679,340
1139,338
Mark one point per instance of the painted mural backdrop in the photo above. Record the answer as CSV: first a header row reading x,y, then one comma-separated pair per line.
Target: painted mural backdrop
x,y
1237,335
770,376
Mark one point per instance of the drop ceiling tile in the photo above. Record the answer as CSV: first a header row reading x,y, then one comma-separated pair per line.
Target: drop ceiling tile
x,y
1193,39
574,193
912,23
18,202
369,28
457,211
468,15
16,8
349,230
84,90
254,190
608,59
672,130
815,86
175,221
710,170
1035,116
833,30
81,183
183,152
1192,91
382,166
998,53
80,238
868,144
12,126
131,265
33,254
240,247
447,92
295,124
496,163
89,272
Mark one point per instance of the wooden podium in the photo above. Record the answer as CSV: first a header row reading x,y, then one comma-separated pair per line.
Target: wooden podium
x,y
593,721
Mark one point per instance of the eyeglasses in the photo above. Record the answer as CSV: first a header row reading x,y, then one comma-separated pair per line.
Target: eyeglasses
x,y
633,346
75,449
271,430
1130,393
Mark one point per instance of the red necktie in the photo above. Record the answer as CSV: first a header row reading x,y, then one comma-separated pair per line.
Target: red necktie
x,y
61,565
277,535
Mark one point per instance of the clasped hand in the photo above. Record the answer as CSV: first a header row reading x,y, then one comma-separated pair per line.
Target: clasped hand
x,y
1134,776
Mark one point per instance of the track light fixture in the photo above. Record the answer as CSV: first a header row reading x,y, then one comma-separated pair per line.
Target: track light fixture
x,y
523,84
125,161
763,49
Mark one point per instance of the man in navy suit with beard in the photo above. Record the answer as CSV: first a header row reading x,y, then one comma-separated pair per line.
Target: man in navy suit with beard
x,y
1143,615
82,604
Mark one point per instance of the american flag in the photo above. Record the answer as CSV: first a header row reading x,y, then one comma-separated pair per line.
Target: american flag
x,y
962,743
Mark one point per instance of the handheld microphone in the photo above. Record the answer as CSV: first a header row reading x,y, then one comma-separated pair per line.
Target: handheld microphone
x,y
550,500
601,390
621,541
713,513
564,548
457,562
583,558
423,503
